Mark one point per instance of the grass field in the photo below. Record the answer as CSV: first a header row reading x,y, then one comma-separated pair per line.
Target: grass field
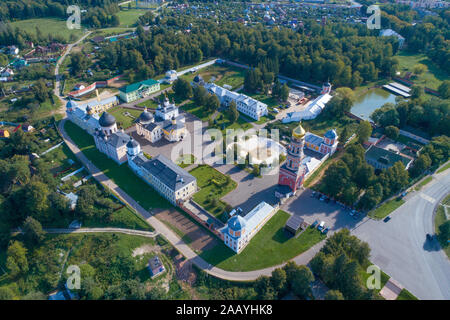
x,y
122,175
432,78
406,295
213,185
424,182
270,247
124,121
52,26
185,160
439,219
128,18
447,166
385,209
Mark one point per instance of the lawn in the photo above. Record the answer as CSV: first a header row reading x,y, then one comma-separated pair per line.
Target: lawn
x,y
199,112
185,160
362,270
125,117
129,17
406,295
48,26
432,78
447,166
386,208
270,101
270,246
439,219
213,186
423,183
122,175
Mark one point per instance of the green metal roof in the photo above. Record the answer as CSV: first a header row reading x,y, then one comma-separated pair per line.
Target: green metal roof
x,y
135,86
385,156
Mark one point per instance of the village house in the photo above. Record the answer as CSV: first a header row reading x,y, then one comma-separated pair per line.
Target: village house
x,y
138,90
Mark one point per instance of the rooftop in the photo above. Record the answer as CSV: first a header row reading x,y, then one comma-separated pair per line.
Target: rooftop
x,y
137,85
386,157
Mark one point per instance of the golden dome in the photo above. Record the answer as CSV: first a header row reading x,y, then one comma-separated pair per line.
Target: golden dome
x,y
299,132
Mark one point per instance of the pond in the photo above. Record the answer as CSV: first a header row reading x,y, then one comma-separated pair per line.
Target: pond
x,y
371,100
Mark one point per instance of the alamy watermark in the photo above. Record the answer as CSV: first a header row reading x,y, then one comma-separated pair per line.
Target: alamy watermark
x,y
374,21
74,280
74,20
374,280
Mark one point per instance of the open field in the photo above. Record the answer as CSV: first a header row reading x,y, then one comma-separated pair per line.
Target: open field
x,y
52,26
213,186
122,175
270,247
386,208
432,78
128,18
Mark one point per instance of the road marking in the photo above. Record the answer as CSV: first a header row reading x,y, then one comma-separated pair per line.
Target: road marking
x,y
428,198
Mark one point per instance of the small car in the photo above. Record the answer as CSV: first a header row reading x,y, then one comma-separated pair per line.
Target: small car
x,y
322,198
321,225
314,224
387,219
325,231
313,194
429,237
276,110
356,216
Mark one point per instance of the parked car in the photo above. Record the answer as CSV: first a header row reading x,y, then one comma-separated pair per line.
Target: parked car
x,y
276,110
325,231
356,216
322,198
387,219
429,237
313,194
314,224
321,225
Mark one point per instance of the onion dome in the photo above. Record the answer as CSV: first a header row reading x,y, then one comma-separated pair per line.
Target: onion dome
x,y
299,132
236,223
106,120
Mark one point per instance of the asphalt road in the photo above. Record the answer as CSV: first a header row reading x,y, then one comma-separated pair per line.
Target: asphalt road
x,y
399,246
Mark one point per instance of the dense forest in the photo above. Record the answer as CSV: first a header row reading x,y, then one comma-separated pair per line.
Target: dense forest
x,y
346,55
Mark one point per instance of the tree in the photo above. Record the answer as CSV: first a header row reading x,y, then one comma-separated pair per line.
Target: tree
x,y
422,163
41,92
32,231
336,178
364,175
16,260
6,293
90,289
256,170
264,289
233,112
78,63
341,102
34,295
420,68
253,80
301,281
200,95
182,88
212,102
333,295
392,132
364,131
444,89
444,233
417,92
278,281
284,93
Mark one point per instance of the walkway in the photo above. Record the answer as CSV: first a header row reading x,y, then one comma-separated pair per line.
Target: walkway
x,y
142,233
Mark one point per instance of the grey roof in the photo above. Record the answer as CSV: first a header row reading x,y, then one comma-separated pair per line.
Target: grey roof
x,y
168,125
107,120
385,157
145,116
132,143
118,139
154,263
151,126
294,222
168,172
236,223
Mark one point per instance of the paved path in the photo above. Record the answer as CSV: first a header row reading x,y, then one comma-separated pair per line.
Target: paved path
x,y
142,233
162,229
56,90
400,248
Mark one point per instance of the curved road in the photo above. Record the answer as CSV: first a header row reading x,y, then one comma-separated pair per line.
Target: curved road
x,y
399,246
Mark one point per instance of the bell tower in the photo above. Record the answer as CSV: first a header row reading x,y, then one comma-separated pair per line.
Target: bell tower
x,y
292,172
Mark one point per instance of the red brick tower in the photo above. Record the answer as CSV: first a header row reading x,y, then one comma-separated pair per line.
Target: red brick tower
x,y
292,172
